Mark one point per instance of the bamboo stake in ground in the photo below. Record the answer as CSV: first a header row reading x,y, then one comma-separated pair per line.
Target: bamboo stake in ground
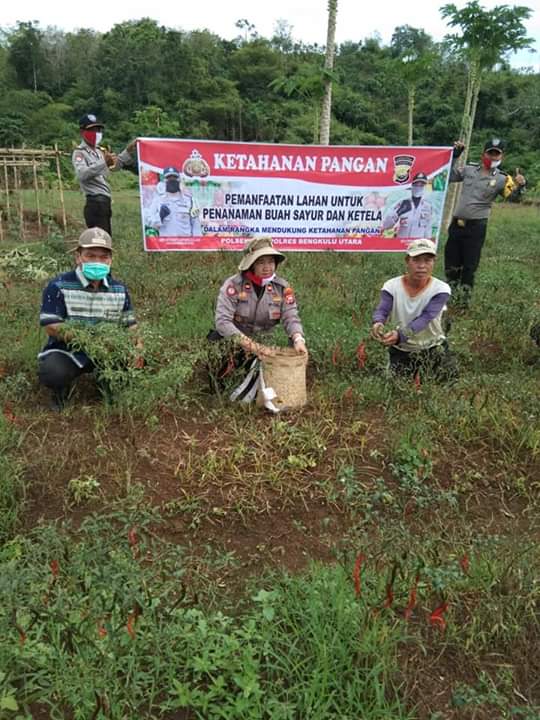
x,y
61,188
18,192
36,193
6,181
1,227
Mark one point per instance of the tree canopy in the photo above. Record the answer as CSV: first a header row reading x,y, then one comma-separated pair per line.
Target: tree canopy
x,y
142,78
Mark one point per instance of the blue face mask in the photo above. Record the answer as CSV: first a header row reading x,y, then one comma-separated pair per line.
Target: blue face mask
x,y
95,270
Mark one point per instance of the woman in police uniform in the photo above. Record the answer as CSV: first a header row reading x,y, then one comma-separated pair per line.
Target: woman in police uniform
x,y
253,302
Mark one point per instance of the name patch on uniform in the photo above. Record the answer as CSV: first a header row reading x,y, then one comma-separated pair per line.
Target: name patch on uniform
x,y
231,290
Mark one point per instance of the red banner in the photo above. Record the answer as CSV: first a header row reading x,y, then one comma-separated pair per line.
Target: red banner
x,y
204,195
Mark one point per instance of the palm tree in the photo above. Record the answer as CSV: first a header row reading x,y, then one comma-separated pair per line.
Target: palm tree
x,y
326,107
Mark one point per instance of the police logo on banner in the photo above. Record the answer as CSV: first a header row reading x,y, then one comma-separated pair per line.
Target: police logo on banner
x,y
196,165
402,168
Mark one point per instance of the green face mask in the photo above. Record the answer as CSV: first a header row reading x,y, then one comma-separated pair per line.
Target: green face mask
x,y
95,270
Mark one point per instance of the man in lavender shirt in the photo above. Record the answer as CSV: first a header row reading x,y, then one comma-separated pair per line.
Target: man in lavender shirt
x,y
413,304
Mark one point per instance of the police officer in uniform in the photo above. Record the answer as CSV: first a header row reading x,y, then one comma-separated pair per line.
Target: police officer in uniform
x,y
252,303
92,165
482,182
173,211
412,215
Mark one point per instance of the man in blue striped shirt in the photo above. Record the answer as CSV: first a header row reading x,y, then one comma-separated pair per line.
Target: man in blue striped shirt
x,y
89,295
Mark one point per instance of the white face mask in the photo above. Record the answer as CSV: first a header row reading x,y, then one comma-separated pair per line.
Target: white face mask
x,y
495,164
99,138
417,191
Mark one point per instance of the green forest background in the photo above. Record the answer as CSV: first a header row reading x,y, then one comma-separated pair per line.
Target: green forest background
x,y
143,79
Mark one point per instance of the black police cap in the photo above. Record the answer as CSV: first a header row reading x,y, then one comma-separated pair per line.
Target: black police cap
x,y
89,121
494,144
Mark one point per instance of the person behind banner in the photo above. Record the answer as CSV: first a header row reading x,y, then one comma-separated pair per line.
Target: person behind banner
x,y
173,212
92,165
252,303
411,216
414,304
89,295
129,158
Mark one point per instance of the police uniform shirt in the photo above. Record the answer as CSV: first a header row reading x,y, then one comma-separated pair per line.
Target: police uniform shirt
x,y
480,190
182,218
415,223
239,310
91,170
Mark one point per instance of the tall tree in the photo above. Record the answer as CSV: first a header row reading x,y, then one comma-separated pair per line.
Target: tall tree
x,y
414,50
486,37
326,107
27,56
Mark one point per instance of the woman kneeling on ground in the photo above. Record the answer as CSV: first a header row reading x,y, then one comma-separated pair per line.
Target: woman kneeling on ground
x,y
252,303
414,303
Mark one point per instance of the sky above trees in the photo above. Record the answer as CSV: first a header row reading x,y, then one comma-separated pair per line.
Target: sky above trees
x,y
307,18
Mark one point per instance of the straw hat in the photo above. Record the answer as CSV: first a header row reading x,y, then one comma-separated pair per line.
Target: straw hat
x,y
255,249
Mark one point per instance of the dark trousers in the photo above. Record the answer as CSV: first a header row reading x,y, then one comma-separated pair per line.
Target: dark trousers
x,y
57,371
97,212
463,250
437,362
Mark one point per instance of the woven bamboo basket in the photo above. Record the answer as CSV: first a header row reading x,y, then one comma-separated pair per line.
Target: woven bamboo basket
x,y
285,372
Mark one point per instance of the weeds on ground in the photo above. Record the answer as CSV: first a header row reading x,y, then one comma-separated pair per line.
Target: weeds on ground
x,y
103,621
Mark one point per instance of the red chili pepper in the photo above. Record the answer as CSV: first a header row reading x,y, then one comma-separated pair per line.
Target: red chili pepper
x,y
356,573
464,562
130,625
133,538
101,631
10,415
132,619
390,586
361,355
436,618
336,354
230,367
55,568
412,600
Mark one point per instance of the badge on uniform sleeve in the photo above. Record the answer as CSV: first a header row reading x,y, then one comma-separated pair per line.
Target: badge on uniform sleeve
x,y
288,296
231,291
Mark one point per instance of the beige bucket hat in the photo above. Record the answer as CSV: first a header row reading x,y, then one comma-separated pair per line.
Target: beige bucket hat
x,y
255,249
